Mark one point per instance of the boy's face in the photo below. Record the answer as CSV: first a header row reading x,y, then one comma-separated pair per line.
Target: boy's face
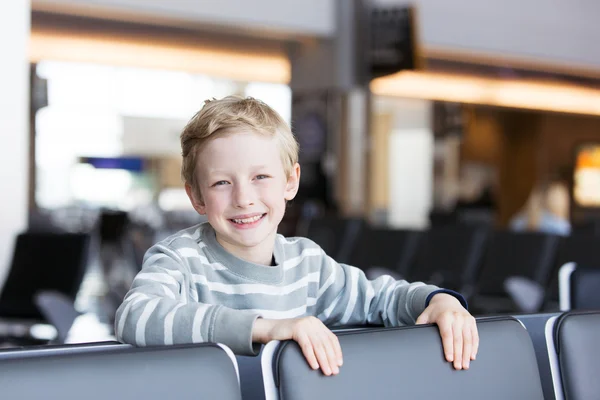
x,y
244,188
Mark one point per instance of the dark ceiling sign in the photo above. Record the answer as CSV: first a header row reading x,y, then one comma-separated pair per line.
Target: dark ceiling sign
x,y
393,44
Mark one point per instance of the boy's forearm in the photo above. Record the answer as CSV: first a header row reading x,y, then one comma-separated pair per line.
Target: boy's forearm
x,y
261,331
265,330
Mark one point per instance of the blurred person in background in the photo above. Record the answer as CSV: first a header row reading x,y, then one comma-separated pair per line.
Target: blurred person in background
x,y
546,210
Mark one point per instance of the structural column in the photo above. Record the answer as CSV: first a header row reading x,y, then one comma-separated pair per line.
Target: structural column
x,y
15,16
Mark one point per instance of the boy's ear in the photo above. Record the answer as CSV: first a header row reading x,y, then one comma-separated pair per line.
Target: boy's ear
x,y
293,182
197,203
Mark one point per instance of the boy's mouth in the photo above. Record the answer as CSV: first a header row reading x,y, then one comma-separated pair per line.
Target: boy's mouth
x,y
248,220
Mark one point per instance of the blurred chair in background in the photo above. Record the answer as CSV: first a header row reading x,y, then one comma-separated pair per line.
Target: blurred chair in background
x,y
581,249
529,255
42,262
450,257
384,251
336,235
116,256
579,287
58,310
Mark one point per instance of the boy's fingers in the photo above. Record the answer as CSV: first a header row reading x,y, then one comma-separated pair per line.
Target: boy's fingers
x,y
457,343
335,342
467,346
330,351
423,319
321,354
475,338
308,351
447,340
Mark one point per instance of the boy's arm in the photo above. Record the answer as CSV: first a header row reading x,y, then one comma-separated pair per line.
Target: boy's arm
x,y
347,297
160,309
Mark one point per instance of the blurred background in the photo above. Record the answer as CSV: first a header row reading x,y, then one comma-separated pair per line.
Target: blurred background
x,y
431,120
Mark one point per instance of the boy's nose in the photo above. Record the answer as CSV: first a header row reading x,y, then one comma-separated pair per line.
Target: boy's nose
x,y
243,197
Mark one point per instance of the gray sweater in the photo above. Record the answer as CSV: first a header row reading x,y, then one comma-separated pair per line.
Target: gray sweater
x,y
192,290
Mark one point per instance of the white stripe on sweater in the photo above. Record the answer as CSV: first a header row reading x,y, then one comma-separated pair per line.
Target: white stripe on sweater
x,y
189,252
197,325
140,329
169,319
131,300
193,236
165,279
330,279
369,295
168,292
256,288
353,295
389,300
409,298
294,262
154,258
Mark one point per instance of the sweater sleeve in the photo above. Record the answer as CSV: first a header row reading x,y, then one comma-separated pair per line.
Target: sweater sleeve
x,y
162,309
347,297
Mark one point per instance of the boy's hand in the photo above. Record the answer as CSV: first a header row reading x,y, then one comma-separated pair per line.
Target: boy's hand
x,y
457,328
320,346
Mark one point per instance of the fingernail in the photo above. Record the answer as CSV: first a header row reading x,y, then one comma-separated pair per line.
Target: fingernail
x,y
340,362
315,366
467,365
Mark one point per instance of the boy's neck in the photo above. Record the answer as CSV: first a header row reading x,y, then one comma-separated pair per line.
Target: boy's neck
x,y
261,254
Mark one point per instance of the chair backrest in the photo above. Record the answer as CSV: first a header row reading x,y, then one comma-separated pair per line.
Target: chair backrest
x,y
527,254
574,353
392,249
179,372
408,363
43,262
536,328
579,287
112,225
12,353
59,310
585,288
581,249
335,235
449,256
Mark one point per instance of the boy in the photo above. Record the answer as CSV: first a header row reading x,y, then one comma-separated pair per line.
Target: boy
x,y
233,280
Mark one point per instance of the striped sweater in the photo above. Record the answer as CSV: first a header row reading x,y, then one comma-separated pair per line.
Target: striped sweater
x,y
192,290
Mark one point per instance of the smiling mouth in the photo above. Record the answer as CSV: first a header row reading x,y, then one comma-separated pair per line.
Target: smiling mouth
x,y
250,220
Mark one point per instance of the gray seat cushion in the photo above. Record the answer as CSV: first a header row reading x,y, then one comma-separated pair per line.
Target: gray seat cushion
x,y
576,340
178,372
408,363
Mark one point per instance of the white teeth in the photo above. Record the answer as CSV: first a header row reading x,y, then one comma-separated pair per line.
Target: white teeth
x,y
247,220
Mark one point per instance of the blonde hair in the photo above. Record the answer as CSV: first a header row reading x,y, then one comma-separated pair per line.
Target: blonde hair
x,y
219,117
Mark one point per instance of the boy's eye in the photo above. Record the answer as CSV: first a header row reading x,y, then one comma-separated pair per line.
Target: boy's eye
x,y
220,183
262,176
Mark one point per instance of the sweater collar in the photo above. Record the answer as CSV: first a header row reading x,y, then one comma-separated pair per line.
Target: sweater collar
x,y
238,266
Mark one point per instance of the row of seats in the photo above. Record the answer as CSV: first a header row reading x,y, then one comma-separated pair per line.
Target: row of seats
x,y
100,372
579,287
540,356
55,262
470,259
